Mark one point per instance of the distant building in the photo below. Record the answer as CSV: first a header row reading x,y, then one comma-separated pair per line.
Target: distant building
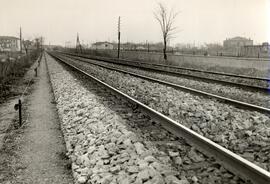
x,y
141,48
102,45
237,42
233,45
259,51
9,43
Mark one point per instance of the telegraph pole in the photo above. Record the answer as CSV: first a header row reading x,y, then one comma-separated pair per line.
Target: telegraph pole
x,y
147,45
37,43
41,43
118,53
21,40
78,44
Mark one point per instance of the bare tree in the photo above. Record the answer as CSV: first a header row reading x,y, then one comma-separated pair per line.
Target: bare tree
x,y
166,20
26,45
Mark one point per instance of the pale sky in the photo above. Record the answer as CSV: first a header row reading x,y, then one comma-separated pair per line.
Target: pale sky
x,y
200,21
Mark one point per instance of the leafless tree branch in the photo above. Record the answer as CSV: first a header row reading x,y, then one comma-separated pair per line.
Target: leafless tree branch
x,y
166,20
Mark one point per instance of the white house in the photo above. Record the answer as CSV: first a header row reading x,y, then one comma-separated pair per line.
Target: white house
x,y
102,45
9,43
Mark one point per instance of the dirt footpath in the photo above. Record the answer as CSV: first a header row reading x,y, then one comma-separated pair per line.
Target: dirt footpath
x,y
40,150
7,114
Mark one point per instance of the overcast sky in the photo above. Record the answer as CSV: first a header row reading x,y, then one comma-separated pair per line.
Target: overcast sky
x,y
200,21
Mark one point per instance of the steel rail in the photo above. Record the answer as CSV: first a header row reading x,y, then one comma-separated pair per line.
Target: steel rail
x,y
138,65
233,102
175,73
231,161
178,67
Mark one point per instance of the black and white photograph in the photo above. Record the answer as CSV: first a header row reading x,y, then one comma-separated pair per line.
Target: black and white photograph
x,y
135,92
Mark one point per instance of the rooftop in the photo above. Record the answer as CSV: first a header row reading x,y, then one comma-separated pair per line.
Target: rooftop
x,y
8,37
100,43
238,38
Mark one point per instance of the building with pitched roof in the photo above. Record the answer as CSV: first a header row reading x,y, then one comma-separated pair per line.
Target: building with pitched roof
x,y
102,45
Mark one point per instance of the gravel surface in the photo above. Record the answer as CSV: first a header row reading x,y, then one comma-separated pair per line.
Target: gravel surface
x,y
253,82
110,141
256,98
42,148
244,132
203,66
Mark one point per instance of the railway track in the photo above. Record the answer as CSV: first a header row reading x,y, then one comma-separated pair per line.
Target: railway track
x,y
258,84
231,161
231,101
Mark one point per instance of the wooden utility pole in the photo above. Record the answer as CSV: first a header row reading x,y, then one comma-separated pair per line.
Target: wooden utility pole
x,y
37,43
118,53
147,44
21,40
41,43
78,44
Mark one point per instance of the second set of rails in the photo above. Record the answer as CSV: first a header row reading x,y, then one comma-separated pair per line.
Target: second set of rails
x,y
231,161
233,101
260,84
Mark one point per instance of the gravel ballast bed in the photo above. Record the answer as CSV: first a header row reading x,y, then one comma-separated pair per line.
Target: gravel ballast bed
x,y
253,82
244,132
253,71
252,97
107,147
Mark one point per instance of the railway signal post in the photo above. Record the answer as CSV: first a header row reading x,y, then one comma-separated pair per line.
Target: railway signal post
x,y
118,53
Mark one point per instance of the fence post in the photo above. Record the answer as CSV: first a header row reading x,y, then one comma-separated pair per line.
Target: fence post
x,y
36,71
20,112
18,106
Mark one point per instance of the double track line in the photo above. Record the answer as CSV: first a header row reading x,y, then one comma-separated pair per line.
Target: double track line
x,y
231,161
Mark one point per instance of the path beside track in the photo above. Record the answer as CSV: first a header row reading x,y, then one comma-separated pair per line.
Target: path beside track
x,y
40,148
